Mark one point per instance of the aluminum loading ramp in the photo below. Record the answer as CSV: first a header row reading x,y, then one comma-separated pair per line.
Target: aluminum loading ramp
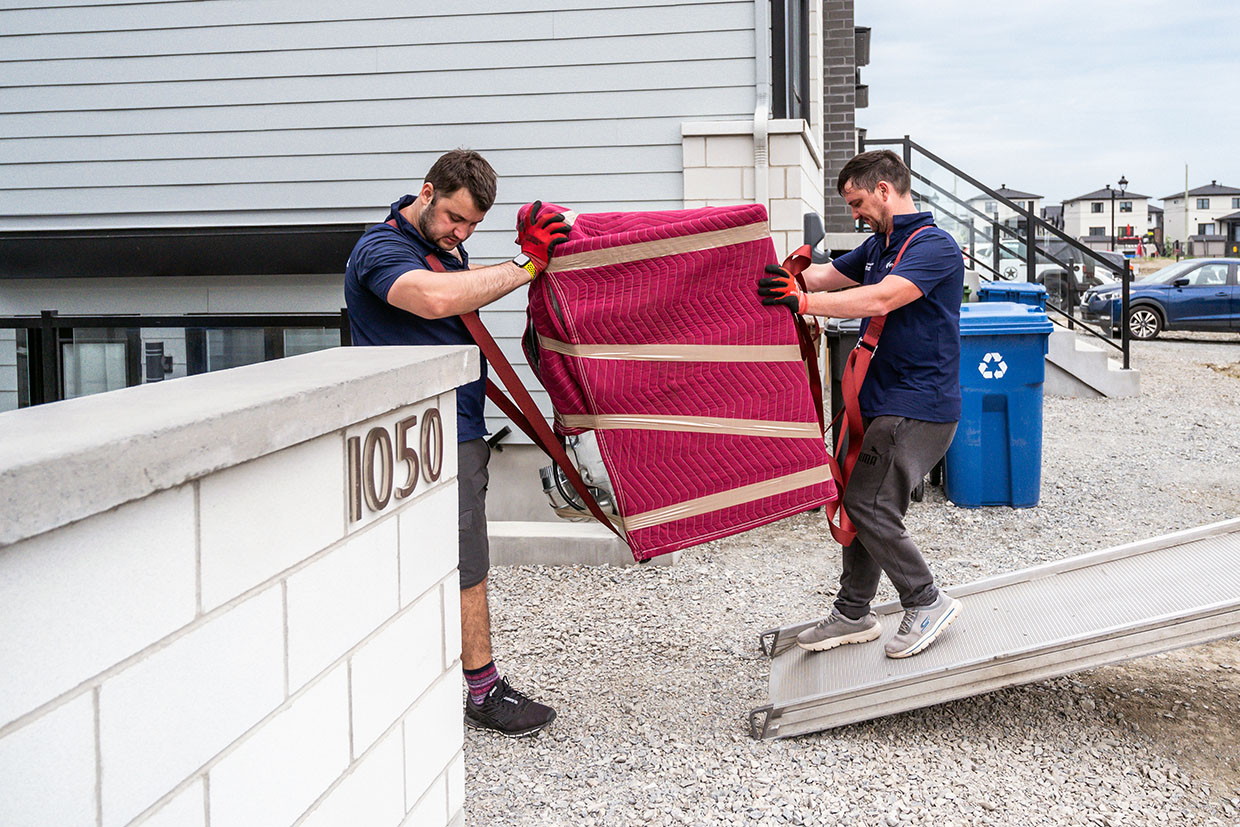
x,y
1147,597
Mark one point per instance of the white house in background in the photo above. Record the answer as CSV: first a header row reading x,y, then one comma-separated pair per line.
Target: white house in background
x,y
997,210
1206,205
1089,218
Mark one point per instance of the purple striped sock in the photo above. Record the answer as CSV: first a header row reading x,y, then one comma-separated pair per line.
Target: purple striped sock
x,y
480,681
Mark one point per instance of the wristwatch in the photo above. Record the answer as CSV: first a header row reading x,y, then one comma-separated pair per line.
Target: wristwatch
x,y
525,263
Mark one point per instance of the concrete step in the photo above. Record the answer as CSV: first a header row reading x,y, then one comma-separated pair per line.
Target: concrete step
x,y
561,543
1076,366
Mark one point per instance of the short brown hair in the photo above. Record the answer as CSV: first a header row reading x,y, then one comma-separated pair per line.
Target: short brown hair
x,y
464,168
868,168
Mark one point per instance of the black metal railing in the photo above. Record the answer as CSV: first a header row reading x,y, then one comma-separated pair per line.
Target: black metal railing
x,y
41,369
1022,246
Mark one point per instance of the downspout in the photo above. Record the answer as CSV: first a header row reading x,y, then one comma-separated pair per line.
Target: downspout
x,y
762,106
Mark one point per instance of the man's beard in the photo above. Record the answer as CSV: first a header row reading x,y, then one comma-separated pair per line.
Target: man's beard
x,y
424,227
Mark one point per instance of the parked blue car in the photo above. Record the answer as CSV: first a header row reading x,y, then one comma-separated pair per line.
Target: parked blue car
x,y
1194,294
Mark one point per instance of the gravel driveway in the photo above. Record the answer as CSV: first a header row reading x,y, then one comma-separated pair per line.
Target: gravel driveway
x,y
653,670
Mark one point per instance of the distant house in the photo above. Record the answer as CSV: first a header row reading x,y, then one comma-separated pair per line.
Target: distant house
x,y
1230,225
1107,219
1001,212
1154,229
1205,208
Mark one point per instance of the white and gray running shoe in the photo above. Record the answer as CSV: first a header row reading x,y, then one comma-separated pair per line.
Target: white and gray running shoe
x,y
921,625
837,630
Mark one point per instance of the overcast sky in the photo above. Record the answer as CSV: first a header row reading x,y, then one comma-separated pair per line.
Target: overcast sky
x,y
1061,97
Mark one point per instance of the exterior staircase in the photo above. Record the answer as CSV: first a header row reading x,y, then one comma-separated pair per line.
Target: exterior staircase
x,y
1077,367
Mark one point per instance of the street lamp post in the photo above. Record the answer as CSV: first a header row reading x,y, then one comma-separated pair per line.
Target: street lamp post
x,y
1123,184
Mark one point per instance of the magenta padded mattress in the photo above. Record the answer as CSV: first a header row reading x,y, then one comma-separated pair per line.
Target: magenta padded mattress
x,y
649,332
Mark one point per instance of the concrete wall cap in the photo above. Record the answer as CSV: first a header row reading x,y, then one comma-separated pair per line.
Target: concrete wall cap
x,y
69,460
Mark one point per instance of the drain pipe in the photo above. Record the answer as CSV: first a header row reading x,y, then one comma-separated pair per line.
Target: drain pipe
x,y
762,106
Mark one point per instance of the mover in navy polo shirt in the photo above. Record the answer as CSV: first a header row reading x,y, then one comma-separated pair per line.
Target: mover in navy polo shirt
x,y
910,400
395,298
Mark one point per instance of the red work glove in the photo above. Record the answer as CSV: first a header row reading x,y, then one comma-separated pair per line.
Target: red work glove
x,y
539,231
782,288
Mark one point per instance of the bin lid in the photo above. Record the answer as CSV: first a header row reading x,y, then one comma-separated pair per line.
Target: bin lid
x,y
843,325
1012,287
995,318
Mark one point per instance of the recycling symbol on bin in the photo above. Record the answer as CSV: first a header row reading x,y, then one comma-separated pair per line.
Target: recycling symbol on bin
x,y
992,366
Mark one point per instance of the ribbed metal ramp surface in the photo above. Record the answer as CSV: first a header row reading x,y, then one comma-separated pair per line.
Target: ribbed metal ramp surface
x,y
1152,596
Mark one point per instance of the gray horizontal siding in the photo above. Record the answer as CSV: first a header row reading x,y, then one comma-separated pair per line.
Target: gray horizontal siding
x,y
222,112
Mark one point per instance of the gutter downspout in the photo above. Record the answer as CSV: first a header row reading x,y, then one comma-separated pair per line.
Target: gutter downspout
x,y
762,106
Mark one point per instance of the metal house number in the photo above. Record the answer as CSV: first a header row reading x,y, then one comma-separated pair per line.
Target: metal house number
x,y
373,461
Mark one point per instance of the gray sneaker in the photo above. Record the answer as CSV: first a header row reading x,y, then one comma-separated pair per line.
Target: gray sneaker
x,y
921,626
836,630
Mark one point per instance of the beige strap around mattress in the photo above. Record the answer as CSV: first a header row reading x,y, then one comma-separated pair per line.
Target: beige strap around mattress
x,y
676,353
692,424
659,248
727,499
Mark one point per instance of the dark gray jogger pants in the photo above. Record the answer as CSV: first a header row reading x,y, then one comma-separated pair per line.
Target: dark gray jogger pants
x,y
896,454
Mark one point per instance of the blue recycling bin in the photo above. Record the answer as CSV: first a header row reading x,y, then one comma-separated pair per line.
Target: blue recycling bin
x,y
1021,292
996,455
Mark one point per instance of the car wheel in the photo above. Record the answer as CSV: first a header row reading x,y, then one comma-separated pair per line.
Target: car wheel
x,y
1144,323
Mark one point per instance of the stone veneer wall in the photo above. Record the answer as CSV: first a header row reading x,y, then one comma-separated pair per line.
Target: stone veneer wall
x,y
204,636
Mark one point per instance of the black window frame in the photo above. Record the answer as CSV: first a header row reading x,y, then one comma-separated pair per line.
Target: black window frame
x,y
790,77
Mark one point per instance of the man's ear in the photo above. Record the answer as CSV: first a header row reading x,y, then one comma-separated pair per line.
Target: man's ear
x,y
883,189
427,194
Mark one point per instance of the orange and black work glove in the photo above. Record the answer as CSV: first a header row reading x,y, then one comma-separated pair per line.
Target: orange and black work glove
x,y
782,288
539,232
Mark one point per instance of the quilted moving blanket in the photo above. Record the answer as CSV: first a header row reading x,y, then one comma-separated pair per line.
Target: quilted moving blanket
x,y
647,329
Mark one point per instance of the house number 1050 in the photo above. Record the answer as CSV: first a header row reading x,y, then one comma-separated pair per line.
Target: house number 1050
x,y
372,462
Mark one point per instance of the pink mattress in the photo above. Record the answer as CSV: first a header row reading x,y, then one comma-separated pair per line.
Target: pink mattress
x,y
649,332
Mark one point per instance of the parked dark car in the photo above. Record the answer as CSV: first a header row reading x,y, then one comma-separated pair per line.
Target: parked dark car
x,y
1062,288
1194,294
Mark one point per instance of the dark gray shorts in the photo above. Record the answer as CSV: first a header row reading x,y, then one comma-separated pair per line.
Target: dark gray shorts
x,y
471,482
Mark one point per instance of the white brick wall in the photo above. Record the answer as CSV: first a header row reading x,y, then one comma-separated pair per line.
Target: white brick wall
x,y
47,769
169,714
261,517
224,653
121,581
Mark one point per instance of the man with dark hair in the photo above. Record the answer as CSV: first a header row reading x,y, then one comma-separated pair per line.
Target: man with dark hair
x,y
910,400
396,295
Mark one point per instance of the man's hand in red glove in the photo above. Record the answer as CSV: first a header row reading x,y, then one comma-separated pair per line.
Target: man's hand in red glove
x,y
539,232
782,288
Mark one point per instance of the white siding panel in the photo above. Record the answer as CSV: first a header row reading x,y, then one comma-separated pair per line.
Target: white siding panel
x,y
377,63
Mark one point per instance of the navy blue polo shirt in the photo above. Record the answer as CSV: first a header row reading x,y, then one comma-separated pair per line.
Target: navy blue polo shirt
x,y
915,371
380,257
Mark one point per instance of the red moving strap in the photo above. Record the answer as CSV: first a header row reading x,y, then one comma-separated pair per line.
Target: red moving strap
x,y
850,386
523,411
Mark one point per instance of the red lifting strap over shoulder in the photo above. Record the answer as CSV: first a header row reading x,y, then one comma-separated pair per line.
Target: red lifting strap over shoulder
x,y
850,386
521,409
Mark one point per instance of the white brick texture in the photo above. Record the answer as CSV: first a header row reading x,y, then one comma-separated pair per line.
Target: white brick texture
x,y
339,599
712,184
451,620
187,809
47,769
431,809
76,600
170,713
283,768
729,151
456,785
394,668
428,542
261,517
372,795
434,733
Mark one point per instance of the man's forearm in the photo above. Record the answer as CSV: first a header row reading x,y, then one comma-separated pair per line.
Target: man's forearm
x,y
825,277
439,295
868,300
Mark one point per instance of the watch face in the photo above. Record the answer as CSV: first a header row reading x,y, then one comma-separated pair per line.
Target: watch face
x,y
521,260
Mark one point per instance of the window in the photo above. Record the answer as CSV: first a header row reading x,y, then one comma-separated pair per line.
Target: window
x,y
94,360
1235,203
1097,230
1203,203
991,207
1095,207
1208,275
1125,206
790,58
1205,229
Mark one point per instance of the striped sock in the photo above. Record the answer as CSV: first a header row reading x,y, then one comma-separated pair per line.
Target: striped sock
x,y
480,681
